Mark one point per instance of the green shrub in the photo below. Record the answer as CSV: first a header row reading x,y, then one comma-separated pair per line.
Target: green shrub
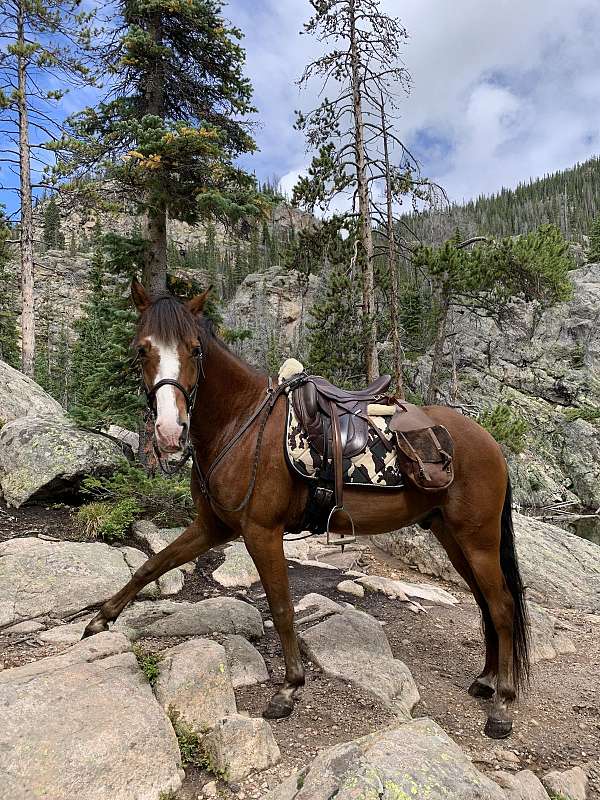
x,y
108,520
588,413
506,426
129,493
148,663
188,741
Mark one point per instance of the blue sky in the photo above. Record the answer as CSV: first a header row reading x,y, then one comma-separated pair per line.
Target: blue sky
x,y
503,91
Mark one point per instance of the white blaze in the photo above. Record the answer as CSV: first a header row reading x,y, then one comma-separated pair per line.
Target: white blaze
x,y
167,413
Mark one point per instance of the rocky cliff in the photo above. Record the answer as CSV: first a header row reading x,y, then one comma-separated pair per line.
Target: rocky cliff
x,y
544,368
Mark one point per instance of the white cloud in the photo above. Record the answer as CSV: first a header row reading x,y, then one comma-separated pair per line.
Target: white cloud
x,y
503,91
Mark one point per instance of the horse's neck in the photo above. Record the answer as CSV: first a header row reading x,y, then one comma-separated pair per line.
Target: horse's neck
x,y
229,393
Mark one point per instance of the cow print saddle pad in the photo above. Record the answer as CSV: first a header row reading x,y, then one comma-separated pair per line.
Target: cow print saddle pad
x,y
376,466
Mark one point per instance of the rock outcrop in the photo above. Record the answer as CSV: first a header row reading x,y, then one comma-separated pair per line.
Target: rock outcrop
x,y
85,724
41,578
164,618
45,457
22,397
416,759
353,647
558,568
546,368
194,682
273,306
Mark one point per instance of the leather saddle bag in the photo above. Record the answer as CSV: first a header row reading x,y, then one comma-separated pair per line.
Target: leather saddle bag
x,y
425,450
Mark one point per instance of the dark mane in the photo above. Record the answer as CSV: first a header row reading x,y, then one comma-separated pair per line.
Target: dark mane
x,y
169,320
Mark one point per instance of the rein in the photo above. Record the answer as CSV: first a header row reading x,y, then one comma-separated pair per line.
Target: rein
x,y
189,451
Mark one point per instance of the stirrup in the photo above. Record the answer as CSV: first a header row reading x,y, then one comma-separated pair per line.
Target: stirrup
x,y
342,541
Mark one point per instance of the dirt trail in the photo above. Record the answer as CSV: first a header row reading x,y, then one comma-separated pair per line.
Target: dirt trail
x,y
557,722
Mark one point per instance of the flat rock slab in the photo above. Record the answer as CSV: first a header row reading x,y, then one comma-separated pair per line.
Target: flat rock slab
x,y
238,568
246,665
45,457
85,724
351,587
401,590
238,746
157,539
523,785
194,682
317,606
558,568
38,577
169,618
353,647
570,784
547,640
416,760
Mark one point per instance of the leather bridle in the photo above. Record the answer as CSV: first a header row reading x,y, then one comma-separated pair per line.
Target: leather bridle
x,y
190,399
189,452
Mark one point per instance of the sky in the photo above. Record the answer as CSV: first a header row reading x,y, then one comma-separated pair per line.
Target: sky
x,y
503,90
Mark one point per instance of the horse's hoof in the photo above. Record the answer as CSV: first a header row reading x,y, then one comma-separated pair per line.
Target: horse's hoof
x,y
278,708
498,728
94,627
479,689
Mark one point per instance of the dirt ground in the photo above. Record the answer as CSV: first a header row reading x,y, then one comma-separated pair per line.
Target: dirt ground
x,y
557,722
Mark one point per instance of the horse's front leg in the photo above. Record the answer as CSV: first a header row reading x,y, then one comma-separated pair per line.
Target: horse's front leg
x,y
197,538
266,548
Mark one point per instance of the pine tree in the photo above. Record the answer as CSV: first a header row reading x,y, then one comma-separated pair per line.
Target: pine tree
x,y
41,43
254,259
335,332
9,350
486,278
105,388
593,253
351,130
170,130
52,235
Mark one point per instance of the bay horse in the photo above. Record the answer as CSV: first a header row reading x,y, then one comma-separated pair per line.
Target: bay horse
x,y
201,389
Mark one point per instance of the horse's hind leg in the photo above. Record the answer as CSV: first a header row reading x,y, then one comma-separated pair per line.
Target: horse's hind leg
x,y
481,548
195,540
266,548
484,684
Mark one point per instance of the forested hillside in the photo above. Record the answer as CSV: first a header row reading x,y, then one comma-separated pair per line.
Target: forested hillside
x,y
569,199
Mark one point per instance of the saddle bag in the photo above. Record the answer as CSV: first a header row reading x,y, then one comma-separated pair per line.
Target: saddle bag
x,y
424,450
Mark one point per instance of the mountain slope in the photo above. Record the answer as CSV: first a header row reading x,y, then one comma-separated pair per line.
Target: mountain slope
x,y
569,199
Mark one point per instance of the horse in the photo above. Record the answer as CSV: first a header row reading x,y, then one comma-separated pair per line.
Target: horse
x,y
203,393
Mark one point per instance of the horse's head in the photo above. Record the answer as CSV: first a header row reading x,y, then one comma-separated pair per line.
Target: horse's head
x,y
170,350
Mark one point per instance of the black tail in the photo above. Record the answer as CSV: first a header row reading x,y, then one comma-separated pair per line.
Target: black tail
x,y
512,576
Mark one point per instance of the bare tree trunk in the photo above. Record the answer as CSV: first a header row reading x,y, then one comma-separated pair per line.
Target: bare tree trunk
x,y
366,233
26,236
438,349
392,267
155,224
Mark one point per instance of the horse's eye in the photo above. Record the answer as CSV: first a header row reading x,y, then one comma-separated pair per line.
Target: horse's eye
x,y
196,351
142,351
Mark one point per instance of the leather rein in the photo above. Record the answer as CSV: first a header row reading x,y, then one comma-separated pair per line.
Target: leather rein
x,y
189,451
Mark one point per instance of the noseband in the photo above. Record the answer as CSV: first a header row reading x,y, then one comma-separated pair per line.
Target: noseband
x,y
190,399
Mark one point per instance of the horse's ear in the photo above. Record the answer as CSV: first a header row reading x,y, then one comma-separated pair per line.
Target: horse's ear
x,y
196,304
139,296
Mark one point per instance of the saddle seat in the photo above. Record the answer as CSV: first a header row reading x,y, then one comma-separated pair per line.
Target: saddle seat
x,y
322,407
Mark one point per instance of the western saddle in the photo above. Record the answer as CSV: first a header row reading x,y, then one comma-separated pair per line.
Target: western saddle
x,y
336,423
